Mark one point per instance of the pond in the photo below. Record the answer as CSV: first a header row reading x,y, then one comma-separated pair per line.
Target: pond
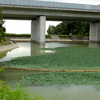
x,y
72,92
31,49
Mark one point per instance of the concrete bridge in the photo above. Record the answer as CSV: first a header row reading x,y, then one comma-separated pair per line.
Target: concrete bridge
x,y
40,11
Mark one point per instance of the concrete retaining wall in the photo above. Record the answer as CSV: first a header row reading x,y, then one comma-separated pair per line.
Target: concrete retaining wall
x,y
8,47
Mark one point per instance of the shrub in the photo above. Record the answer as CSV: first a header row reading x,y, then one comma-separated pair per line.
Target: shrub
x,y
63,36
48,36
17,35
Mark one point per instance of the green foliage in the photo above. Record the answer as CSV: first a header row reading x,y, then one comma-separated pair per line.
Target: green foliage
x,y
6,93
63,36
48,36
22,35
65,58
2,29
51,29
1,70
65,28
17,35
5,42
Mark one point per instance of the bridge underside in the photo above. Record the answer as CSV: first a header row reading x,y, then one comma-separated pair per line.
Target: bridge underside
x,y
40,15
38,30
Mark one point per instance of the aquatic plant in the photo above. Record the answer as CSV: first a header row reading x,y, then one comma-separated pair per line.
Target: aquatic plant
x,y
63,79
65,58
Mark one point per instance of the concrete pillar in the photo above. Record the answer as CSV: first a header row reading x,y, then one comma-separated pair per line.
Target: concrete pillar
x,y
38,27
33,30
95,32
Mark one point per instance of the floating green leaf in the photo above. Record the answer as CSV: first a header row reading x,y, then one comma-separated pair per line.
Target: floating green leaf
x,y
65,58
63,79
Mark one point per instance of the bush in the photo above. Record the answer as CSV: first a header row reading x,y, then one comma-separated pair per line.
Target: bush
x,y
63,36
17,35
48,36
2,29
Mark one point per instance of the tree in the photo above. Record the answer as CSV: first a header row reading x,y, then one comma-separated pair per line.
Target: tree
x,y
51,29
65,28
2,29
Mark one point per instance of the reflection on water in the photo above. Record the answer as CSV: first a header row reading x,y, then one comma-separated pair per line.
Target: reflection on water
x,y
94,45
74,92
2,55
13,75
35,49
23,50
31,49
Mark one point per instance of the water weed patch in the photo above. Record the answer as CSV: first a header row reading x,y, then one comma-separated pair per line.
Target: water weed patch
x,y
63,79
67,58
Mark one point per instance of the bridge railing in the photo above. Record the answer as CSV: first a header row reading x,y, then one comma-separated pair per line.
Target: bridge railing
x,y
49,4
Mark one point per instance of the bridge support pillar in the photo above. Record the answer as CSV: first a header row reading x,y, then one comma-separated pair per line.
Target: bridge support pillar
x,y
95,32
38,30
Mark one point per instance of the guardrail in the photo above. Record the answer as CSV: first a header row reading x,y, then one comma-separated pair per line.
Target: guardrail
x,y
49,4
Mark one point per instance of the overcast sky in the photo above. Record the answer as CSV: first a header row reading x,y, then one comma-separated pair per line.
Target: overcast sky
x,y
96,2
13,26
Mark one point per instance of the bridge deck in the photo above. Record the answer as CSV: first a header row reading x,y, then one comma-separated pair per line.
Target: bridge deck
x,y
49,4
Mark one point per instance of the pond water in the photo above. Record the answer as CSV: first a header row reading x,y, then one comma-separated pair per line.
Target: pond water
x,y
74,92
31,49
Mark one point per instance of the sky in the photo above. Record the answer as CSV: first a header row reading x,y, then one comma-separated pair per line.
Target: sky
x,y
15,26
93,2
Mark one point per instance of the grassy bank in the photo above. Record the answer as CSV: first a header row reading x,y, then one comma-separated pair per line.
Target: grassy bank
x,y
17,35
5,42
49,36
22,35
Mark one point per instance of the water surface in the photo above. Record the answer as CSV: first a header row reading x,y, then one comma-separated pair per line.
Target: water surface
x,y
74,92
31,49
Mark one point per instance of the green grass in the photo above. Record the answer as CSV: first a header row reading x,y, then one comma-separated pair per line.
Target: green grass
x,y
64,59
4,43
6,93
